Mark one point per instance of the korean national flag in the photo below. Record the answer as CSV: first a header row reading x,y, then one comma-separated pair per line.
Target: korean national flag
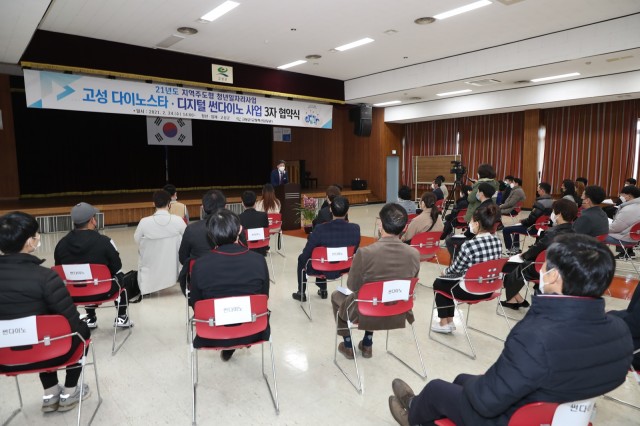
x,y
169,131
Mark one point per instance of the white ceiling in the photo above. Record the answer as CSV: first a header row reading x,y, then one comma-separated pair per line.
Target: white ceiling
x,y
509,40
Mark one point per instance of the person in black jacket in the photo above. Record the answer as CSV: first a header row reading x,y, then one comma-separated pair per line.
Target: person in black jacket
x,y
230,269
85,245
631,316
593,220
324,214
250,218
564,212
450,220
27,289
565,349
541,207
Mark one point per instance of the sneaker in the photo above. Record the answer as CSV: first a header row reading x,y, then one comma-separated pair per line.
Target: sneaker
x,y
445,329
50,401
69,401
92,322
122,321
621,256
452,326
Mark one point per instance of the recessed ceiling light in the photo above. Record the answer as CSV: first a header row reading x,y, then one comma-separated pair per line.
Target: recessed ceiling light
x,y
462,9
314,56
291,64
354,44
425,20
391,32
555,77
386,103
457,92
187,30
214,14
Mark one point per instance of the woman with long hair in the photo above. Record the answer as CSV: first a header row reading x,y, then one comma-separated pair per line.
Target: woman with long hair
x,y
269,202
427,220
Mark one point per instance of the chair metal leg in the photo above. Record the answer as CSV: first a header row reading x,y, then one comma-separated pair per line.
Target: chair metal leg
x,y
415,339
281,250
636,376
358,386
464,327
114,348
272,277
305,293
273,392
17,410
83,364
506,319
194,383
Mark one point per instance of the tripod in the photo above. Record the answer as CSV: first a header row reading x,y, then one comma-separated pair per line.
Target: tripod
x,y
451,198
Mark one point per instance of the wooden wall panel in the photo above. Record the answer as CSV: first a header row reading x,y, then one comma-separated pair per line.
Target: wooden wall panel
x,y
530,156
9,183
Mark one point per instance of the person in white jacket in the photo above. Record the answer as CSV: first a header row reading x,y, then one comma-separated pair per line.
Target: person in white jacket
x,y
158,237
627,216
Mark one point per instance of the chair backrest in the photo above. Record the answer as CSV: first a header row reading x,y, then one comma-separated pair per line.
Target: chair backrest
x,y
517,208
439,204
54,340
576,413
634,232
601,238
485,277
90,279
542,223
427,243
460,218
410,217
320,260
540,258
205,319
275,222
371,297
257,238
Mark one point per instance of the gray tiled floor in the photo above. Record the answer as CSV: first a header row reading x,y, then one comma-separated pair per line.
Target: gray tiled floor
x,y
148,381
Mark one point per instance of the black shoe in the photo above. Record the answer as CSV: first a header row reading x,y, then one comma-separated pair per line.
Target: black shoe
x,y
323,294
514,306
299,296
524,304
226,355
621,255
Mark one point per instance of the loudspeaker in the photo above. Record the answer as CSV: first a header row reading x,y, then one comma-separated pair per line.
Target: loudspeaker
x,y
362,116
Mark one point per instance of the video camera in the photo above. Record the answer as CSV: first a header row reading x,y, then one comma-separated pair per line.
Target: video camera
x,y
458,169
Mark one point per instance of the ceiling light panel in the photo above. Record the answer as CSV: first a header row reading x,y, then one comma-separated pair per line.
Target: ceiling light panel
x,y
291,64
360,42
467,8
225,7
381,104
555,77
457,92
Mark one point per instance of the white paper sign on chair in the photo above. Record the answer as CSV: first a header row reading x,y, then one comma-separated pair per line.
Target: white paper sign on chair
x,y
18,332
255,234
337,254
577,413
395,290
232,310
77,272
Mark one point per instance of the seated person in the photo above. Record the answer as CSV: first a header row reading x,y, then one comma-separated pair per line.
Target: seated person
x,y
435,186
85,245
443,186
324,215
27,289
336,233
176,207
450,220
593,220
230,269
631,316
516,195
269,203
404,199
486,174
426,221
628,215
483,193
541,207
386,259
484,246
250,218
565,349
568,191
564,212
504,189
630,182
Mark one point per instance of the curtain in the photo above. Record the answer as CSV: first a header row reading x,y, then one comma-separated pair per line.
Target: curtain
x,y
427,138
595,141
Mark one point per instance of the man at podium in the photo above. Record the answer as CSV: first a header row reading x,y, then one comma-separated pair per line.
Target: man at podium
x,y
279,175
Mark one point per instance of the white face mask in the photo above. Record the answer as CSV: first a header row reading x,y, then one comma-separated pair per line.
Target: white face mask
x,y
623,199
281,169
512,185
37,245
433,186
472,229
478,197
541,282
553,217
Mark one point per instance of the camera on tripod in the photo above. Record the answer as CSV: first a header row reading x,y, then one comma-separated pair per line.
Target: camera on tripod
x,y
458,169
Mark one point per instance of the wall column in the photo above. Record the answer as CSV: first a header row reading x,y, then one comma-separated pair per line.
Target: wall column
x,y
530,156
9,182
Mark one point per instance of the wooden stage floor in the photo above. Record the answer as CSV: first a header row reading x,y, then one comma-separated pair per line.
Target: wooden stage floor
x,y
127,208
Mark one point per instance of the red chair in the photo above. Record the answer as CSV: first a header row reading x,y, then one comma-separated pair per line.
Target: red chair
x,y
485,277
440,205
634,234
517,208
97,283
370,303
601,238
204,325
537,265
259,238
428,245
460,223
54,340
275,228
547,413
410,217
320,262
541,224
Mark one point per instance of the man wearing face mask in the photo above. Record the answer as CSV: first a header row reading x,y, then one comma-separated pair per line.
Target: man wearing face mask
x,y
593,220
564,212
516,195
565,349
437,191
279,175
541,207
628,214
85,245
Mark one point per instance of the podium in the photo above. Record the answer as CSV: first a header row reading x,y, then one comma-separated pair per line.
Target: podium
x,y
289,196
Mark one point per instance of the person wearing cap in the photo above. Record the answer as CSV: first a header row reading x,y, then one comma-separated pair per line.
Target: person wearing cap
x,y
279,175
176,207
85,245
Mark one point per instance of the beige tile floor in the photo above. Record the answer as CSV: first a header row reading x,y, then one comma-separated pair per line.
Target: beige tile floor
x,y
148,381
